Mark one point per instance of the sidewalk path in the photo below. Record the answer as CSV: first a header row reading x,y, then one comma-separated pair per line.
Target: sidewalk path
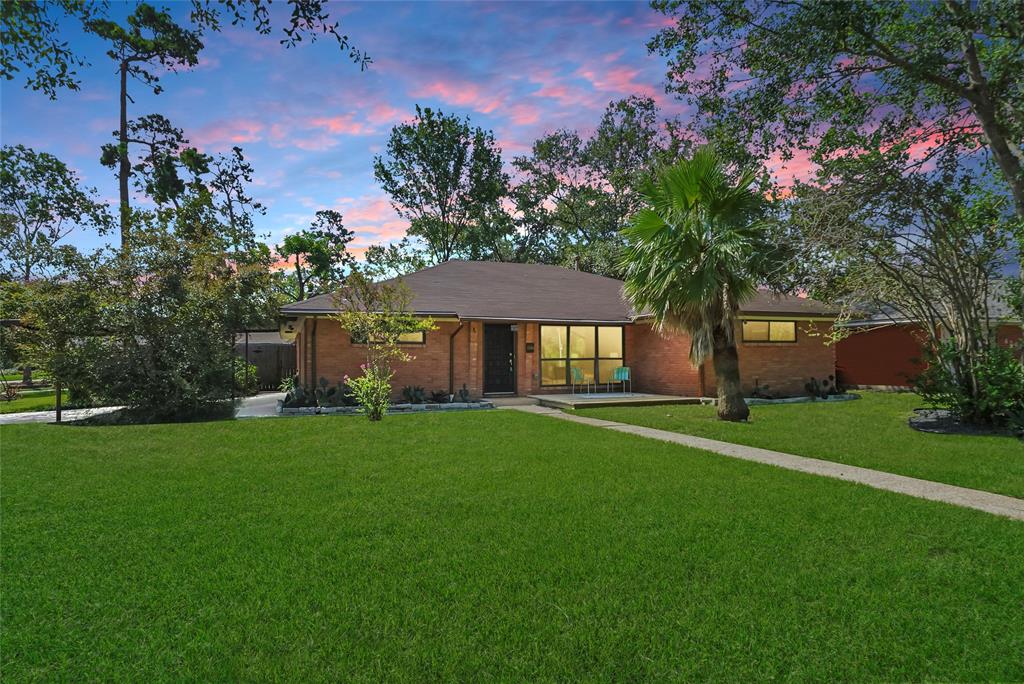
x,y
998,504
66,416
259,406
262,405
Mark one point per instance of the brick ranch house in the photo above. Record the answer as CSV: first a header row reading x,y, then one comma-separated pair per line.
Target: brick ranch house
x,y
518,329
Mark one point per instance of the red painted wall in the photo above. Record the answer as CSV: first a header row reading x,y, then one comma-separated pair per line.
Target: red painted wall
x,y
1009,335
886,355
890,355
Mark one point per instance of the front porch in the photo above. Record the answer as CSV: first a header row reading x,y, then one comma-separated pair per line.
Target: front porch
x,y
594,399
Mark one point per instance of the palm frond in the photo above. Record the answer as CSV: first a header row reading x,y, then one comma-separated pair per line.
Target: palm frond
x,y
691,254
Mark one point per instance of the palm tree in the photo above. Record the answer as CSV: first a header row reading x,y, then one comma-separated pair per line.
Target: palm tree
x,y
693,256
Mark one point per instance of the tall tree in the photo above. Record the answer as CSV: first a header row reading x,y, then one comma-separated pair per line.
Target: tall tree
x,y
693,256
393,260
42,201
31,40
319,255
772,77
151,39
443,175
588,188
914,248
164,157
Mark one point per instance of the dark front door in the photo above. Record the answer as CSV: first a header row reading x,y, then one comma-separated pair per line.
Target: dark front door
x,y
499,358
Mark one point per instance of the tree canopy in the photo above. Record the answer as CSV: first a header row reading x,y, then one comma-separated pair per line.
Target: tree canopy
x,y
41,202
446,177
773,77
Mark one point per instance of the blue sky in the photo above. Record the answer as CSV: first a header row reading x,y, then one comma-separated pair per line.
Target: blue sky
x,y
311,122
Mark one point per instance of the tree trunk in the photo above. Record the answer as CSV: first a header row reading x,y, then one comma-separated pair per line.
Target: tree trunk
x,y
124,167
726,360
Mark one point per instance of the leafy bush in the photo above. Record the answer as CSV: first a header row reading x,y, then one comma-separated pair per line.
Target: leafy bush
x,y
299,397
337,395
247,379
463,394
288,383
824,388
439,397
414,394
997,400
372,390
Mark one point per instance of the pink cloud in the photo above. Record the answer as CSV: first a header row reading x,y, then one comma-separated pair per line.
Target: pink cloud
x,y
523,114
460,93
372,218
620,80
225,133
344,124
383,113
786,172
614,56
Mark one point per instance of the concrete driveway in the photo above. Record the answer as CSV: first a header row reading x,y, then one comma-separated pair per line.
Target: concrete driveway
x,y
263,405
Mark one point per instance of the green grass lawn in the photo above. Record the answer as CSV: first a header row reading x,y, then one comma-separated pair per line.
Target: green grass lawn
x,y
17,375
32,400
479,545
871,432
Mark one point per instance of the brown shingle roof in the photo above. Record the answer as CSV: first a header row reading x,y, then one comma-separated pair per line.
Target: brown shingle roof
x,y
531,292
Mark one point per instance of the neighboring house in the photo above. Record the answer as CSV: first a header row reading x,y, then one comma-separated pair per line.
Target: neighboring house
x,y
519,329
885,349
273,356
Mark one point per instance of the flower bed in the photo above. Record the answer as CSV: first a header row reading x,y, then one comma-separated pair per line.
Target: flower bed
x,y
754,401
394,408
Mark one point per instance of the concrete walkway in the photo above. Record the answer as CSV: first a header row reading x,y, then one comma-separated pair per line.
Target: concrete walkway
x,y
262,405
998,504
66,416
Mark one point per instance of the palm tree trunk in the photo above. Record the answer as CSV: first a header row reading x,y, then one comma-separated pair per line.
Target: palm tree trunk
x,y
726,360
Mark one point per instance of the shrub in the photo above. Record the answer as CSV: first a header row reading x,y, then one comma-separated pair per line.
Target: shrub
x,y
996,400
247,379
414,394
439,397
824,388
372,390
299,397
10,392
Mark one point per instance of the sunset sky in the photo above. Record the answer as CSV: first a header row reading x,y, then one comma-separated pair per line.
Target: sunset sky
x,y
311,122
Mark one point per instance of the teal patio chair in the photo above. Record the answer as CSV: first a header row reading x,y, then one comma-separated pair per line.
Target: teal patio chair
x,y
621,375
578,379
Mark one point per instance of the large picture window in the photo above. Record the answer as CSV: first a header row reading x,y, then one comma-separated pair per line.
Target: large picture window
x,y
769,331
596,350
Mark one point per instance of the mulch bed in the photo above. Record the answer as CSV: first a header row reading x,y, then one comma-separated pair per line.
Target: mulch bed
x,y
941,421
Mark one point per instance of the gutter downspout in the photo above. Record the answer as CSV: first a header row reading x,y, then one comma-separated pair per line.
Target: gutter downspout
x,y
451,360
312,363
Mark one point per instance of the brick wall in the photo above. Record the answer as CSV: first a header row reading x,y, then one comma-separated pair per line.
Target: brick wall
x,y
785,367
336,357
659,363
